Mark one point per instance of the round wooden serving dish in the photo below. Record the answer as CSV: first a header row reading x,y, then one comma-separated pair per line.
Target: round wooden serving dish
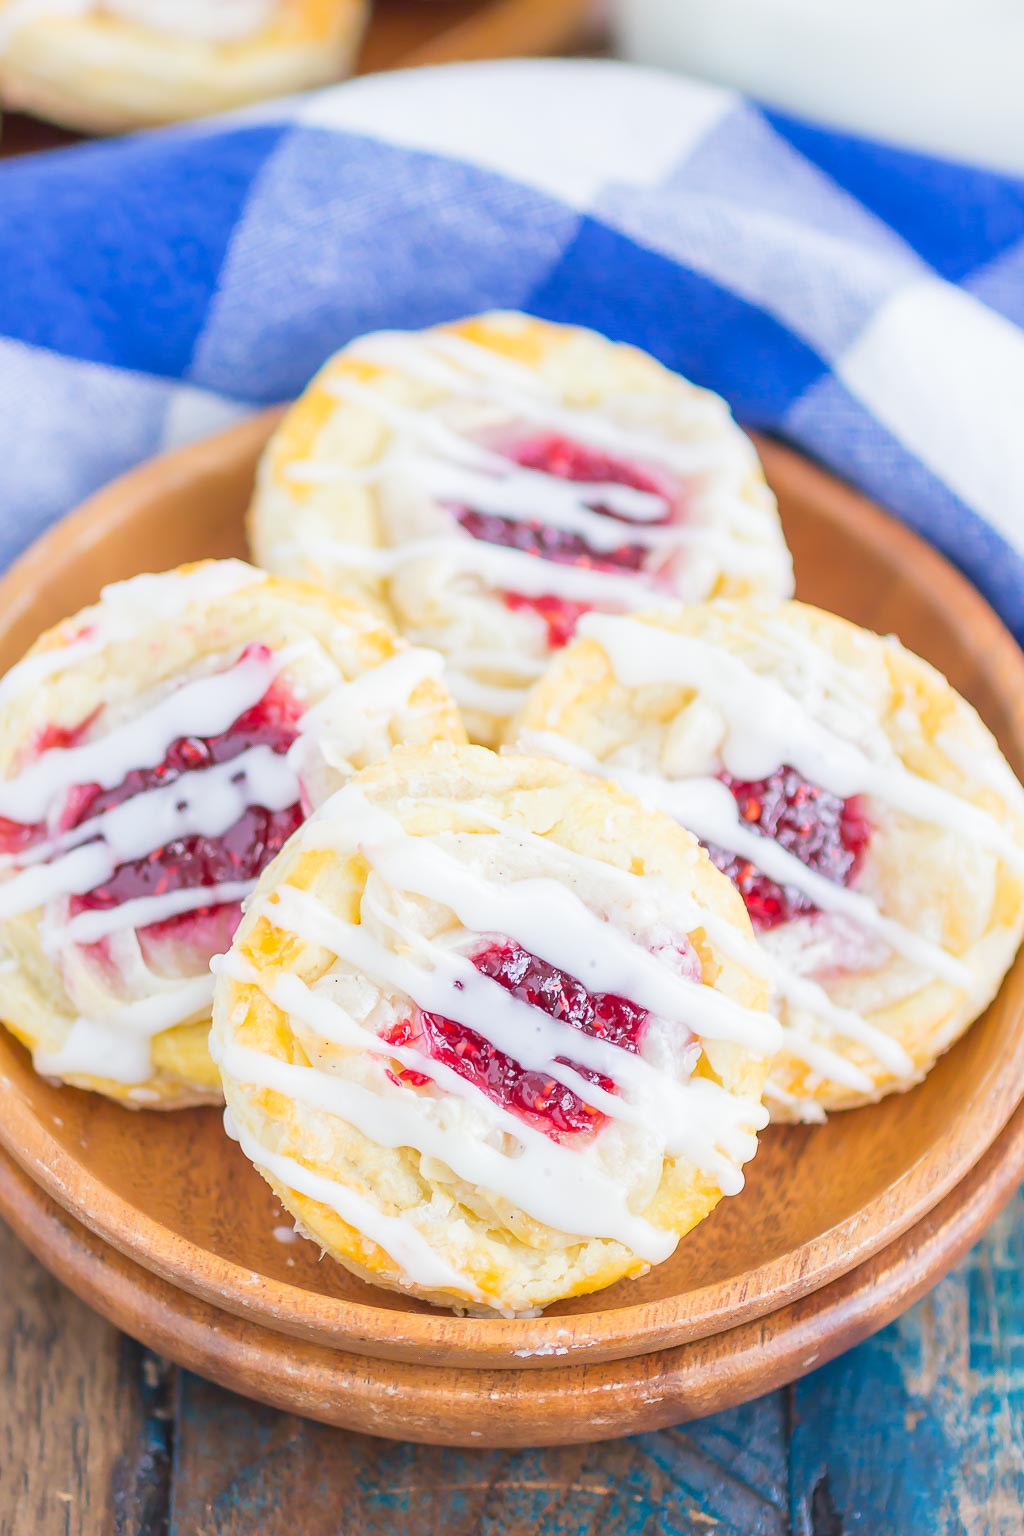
x,y
176,1197
448,1405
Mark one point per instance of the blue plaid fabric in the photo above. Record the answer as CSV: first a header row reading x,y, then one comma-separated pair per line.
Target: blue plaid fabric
x,y
863,302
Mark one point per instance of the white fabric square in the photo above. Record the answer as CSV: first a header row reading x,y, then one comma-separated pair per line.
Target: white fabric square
x,y
566,128
946,376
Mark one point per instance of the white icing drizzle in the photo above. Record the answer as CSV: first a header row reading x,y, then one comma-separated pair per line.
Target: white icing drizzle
x,y
683,911
556,926
28,674
144,911
452,468
550,1182
510,569
203,707
686,1117
203,802
124,610
489,698
431,461
525,393
768,726
709,810
530,667
412,1253
118,1046
340,726
564,1185
728,832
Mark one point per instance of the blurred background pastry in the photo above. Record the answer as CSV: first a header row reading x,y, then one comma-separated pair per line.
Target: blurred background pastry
x,y
120,64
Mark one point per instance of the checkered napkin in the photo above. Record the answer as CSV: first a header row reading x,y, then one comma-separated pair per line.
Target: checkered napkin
x,y
863,302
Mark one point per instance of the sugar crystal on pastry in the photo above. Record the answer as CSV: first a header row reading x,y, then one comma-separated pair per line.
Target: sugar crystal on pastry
x,y
158,750
490,482
488,1030
860,807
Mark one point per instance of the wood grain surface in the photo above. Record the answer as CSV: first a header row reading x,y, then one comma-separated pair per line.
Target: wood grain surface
x,y
512,1408
919,1432
85,1413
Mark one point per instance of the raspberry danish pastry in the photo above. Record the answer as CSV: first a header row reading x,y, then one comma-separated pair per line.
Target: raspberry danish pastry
x,y
491,481
155,753
856,801
488,1030
108,65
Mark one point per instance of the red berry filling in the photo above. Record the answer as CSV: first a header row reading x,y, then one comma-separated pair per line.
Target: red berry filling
x,y
826,833
533,1096
187,862
16,836
559,614
239,854
564,460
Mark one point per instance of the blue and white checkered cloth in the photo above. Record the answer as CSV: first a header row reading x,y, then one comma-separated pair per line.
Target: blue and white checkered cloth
x,y
863,302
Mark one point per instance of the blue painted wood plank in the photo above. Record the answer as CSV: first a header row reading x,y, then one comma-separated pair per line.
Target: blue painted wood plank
x,y
920,1431
241,1468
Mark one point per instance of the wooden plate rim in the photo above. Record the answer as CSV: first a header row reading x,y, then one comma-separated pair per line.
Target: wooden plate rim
x,y
617,1331
437,1405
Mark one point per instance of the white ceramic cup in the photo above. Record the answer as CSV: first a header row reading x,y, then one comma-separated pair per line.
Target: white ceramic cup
x,y
940,75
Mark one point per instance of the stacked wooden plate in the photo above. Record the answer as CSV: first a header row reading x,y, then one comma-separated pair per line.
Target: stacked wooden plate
x,y
162,1225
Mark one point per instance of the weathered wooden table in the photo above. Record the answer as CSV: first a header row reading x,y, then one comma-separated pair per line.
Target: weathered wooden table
x,y
919,1432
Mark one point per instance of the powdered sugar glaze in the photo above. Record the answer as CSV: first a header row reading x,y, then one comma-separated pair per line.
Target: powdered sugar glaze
x,y
749,724
67,858
531,892
447,454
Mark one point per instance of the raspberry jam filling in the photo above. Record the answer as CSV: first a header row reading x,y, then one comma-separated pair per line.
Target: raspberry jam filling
x,y
190,861
826,833
239,854
533,1096
564,460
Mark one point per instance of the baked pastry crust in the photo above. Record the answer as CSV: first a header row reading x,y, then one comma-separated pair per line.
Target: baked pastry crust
x,y
426,1180
94,69
921,811
103,703
485,481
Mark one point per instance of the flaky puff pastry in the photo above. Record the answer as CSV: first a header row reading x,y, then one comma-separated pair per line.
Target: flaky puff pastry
x,y
859,803
489,481
487,1031
155,752
109,65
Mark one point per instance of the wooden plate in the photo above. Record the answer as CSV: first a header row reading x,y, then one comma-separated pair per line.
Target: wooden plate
x,y
446,1406
172,1193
